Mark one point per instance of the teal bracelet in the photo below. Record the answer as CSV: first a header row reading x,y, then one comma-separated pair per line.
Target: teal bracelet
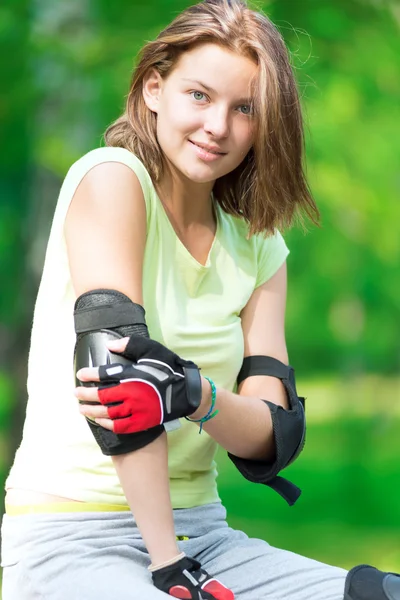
x,y
211,413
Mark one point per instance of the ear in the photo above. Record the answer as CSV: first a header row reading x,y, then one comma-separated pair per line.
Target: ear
x,y
152,88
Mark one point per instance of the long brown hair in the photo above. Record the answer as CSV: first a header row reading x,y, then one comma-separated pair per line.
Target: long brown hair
x,y
269,188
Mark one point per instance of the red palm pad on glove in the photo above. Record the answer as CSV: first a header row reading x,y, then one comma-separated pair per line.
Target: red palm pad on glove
x,y
157,387
135,397
186,580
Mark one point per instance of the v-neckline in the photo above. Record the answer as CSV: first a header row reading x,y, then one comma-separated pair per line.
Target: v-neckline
x,y
185,250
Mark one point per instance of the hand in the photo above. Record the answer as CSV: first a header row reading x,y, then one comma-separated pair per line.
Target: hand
x,y
157,387
186,579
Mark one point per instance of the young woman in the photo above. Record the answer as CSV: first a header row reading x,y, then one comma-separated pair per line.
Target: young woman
x,y
178,214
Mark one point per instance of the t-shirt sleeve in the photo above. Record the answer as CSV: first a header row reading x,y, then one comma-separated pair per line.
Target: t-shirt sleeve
x,y
271,254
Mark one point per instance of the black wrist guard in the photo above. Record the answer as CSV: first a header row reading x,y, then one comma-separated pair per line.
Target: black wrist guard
x,y
101,316
289,429
186,579
158,386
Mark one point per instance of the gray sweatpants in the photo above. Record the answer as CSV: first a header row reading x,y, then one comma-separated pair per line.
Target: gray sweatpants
x,y
101,556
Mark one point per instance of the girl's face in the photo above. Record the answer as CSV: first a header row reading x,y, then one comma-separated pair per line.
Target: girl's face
x,y
205,125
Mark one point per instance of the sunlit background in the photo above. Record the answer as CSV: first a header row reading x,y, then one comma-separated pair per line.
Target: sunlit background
x,y
65,71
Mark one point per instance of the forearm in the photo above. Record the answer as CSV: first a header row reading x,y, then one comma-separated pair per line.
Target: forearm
x,y
243,425
144,478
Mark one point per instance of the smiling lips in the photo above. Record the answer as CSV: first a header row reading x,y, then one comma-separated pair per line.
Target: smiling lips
x,y
210,149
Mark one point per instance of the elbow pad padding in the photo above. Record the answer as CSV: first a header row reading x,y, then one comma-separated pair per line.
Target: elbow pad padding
x,y
289,428
101,316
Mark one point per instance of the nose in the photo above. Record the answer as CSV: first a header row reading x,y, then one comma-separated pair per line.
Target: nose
x,y
216,123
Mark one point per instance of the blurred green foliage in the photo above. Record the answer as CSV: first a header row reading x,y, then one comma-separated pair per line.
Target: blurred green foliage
x,y
65,71
344,306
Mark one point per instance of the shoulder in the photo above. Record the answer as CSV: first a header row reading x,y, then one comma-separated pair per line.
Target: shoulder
x,y
108,154
107,168
272,252
234,232
237,229
109,176
261,254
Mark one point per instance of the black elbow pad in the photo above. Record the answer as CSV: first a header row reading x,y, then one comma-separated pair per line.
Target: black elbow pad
x,y
289,427
101,316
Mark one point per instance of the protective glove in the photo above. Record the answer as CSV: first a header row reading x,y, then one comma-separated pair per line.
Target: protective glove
x,y
186,579
157,387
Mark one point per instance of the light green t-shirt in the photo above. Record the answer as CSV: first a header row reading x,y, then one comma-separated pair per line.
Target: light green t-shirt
x,y
192,309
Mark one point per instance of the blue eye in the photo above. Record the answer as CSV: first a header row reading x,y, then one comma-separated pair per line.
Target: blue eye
x,y
249,110
198,95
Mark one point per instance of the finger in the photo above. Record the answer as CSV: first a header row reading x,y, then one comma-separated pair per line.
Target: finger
x,y
94,412
87,393
88,374
106,423
118,345
120,411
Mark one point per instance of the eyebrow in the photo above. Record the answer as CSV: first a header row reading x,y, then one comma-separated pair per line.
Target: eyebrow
x,y
210,89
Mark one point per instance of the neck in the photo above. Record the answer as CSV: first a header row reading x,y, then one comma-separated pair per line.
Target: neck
x,y
189,203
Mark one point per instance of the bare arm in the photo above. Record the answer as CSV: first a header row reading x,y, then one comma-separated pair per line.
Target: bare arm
x,y
105,232
243,425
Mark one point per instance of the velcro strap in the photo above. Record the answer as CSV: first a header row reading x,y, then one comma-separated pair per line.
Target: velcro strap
x,y
288,490
107,317
193,385
264,365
